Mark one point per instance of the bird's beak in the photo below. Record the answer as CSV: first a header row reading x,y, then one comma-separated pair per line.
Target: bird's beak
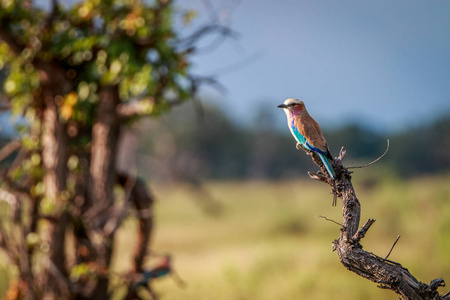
x,y
282,106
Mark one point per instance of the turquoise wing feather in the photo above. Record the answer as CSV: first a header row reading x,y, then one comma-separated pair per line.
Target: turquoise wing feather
x,y
298,136
323,155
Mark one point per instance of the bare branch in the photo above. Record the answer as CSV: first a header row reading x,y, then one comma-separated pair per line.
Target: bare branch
x,y
116,218
9,148
189,41
342,153
333,221
23,153
62,283
363,230
387,274
393,245
376,160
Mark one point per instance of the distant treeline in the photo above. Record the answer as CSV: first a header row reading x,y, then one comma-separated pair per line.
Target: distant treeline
x,y
185,145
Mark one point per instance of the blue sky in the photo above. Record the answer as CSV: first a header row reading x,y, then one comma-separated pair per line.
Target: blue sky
x,y
384,63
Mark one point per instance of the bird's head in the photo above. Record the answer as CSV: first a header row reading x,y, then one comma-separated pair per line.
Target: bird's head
x,y
292,107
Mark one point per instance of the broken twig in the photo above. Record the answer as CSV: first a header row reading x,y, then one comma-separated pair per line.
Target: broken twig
x,y
393,245
376,160
323,217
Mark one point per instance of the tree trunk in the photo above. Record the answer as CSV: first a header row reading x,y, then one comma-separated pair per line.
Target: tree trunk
x,y
54,158
105,136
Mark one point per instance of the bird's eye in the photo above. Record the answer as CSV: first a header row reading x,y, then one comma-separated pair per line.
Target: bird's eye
x,y
293,104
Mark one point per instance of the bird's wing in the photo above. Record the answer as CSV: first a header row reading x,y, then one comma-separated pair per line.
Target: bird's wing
x,y
309,128
159,271
297,135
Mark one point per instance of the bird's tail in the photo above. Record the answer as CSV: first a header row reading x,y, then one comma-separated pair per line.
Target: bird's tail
x,y
327,165
330,171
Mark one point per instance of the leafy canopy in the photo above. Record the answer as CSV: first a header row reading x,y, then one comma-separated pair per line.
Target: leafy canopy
x,y
115,42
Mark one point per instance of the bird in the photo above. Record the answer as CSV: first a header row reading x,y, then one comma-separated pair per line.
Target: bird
x,y
163,268
307,132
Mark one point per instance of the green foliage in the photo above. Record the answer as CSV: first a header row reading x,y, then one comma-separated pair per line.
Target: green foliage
x,y
115,42
73,73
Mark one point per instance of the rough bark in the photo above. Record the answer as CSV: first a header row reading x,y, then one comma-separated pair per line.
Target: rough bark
x,y
83,213
54,161
388,274
105,136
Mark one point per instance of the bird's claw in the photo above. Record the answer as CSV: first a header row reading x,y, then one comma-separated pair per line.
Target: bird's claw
x,y
301,147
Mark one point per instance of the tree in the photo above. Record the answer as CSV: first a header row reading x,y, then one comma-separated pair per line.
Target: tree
x,y
78,74
388,274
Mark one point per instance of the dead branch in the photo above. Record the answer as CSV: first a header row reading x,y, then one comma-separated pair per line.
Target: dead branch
x,y
376,160
393,245
9,148
333,221
143,202
387,274
61,281
116,217
363,230
190,40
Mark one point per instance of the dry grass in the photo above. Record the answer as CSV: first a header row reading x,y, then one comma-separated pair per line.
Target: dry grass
x,y
264,240
268,243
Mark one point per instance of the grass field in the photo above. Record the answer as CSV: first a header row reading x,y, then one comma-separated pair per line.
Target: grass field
x,y
249,240
266,240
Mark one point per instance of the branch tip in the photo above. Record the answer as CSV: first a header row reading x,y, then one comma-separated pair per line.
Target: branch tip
x,y
361,233
393,245
342,153
323,217
436,283
376,160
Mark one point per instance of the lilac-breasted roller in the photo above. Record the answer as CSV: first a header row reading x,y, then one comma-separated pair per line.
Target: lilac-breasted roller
x,y
306,131
163,268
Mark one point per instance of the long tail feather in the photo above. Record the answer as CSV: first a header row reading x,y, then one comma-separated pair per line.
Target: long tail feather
x,y
327,165
330,171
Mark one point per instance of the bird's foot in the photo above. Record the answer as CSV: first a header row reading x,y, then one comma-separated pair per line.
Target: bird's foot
x,y
301,147
317,176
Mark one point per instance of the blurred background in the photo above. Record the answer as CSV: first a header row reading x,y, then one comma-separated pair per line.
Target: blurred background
x,y
234,204
366,71
237,210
